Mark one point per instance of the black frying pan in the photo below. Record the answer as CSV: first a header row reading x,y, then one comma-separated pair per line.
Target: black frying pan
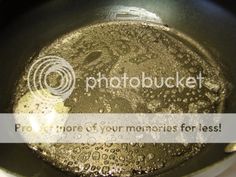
x,y
25,31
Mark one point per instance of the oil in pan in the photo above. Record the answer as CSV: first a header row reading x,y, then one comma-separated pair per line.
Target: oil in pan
x,y
113,48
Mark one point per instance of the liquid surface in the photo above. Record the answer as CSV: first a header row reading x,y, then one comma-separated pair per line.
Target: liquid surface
x,y
114,48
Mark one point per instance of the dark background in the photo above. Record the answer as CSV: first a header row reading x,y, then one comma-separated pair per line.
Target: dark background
x,y
12,9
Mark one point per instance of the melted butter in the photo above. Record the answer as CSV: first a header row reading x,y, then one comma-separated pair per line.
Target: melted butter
x,y
132,47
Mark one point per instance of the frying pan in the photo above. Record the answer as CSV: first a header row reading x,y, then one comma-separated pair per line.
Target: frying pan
x,y
36,24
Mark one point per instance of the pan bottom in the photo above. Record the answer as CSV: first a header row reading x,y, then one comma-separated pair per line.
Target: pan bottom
x,y
114,48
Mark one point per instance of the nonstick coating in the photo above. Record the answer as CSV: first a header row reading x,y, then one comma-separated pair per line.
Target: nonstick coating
x,y
211,25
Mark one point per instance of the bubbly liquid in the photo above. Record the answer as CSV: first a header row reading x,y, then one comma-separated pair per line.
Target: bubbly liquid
x,y
113,48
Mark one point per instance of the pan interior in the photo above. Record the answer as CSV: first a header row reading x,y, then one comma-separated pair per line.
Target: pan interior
x,y
114,48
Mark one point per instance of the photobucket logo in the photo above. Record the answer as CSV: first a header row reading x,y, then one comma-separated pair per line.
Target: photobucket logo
x,y
143,81
40,85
